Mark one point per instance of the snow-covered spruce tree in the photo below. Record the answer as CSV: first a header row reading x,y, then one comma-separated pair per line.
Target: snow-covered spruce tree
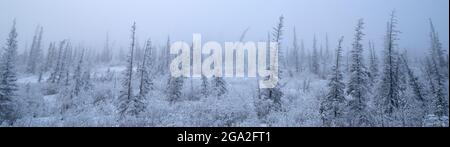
x,y
347,60
66,63
414,82
219,86
315,66
417,102
325,57
438,73
128,104
357,85
389,99
77,75
373,64
165,58
8,85
440,100
145,75
437,52
60,62
296,53
302,56
332,107
275,94
407,104
35,56
429,74
174,87
204,91
69,86
191,94
47,64
328,55
56,71
277,36
50,58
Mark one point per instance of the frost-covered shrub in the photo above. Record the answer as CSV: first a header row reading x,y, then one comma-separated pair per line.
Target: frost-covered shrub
x,y
299,111
210,112
262,107
103,101
157,113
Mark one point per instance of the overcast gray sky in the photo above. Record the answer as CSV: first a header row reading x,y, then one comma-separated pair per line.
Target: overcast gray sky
x,y
87,21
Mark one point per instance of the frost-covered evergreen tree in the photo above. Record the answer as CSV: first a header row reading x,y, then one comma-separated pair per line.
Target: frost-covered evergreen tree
x,y
174,87
389,89
219,86
296,53
191,95
415,103
357,85
23,58
406,100
81,76
373,64
204,91
415,83
302,56
66,63
128,104
35,56
328,55
332,107
437,52
56,73
174,84
145,74
165,58
275,94
77,75
439,75
47,64
325,57
440,100
71,86
315,66
8,77
277,36
50,58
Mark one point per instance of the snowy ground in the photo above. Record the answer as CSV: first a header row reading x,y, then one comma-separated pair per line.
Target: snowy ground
x,y
237,108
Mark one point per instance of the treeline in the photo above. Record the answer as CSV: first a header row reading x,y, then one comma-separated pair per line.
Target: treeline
x,y
394,95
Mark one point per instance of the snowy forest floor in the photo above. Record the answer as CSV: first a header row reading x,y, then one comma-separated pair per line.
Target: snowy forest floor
x,y
44,104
